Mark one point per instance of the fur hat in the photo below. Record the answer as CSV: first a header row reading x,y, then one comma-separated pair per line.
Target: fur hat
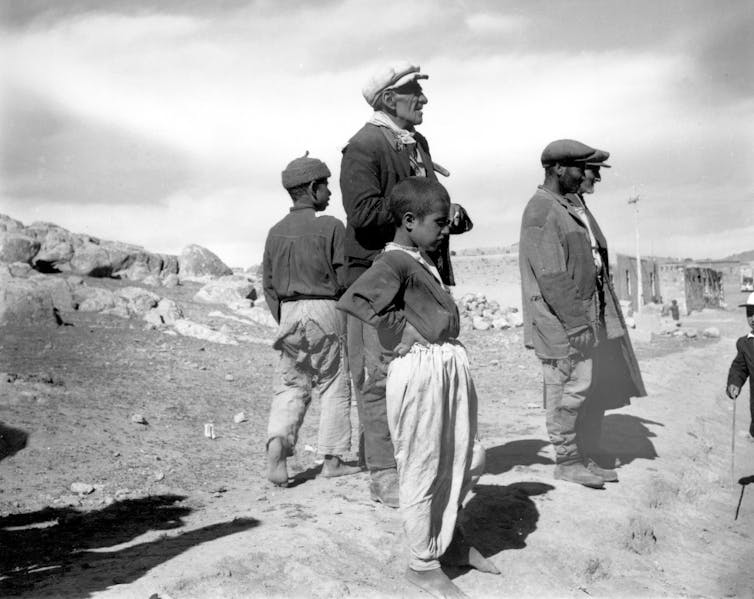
x,y
304,170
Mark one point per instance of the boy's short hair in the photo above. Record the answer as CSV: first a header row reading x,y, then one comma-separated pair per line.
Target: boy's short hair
x,y
302,191
417,195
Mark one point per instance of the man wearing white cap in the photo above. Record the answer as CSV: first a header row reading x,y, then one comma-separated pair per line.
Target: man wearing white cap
x,y
742,366
387,149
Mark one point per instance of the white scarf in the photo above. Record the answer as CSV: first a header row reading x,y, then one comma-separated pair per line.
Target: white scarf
x,y
381,119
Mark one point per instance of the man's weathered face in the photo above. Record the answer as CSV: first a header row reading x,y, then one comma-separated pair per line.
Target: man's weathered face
x,y
409,101
591,176
570,177
750,316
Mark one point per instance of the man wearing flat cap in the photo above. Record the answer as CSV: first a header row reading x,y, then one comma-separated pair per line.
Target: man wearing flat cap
x,y
386,150
572,318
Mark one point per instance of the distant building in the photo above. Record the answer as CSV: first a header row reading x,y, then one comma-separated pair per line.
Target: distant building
x,y
696,284
626,284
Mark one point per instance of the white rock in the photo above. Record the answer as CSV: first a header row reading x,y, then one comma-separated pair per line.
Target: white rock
x,y
240,417
515,319
711,332
138,419
82,488
189,328
479,323
501,322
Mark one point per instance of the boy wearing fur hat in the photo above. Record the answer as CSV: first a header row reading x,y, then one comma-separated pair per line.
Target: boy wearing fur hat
x,y
303,276
742,366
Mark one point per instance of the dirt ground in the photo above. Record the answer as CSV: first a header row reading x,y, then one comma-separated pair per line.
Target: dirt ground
x,y
173,514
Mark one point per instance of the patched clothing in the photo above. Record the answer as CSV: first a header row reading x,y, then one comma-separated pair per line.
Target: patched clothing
x,y
566,289
303,276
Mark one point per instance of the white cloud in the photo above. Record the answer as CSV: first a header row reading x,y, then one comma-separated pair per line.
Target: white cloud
x,y
242,94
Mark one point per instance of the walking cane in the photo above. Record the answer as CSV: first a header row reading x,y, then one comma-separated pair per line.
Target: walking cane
x,y
733,447
746,480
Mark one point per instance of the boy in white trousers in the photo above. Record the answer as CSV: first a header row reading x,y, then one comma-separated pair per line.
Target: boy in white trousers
x,y
431,400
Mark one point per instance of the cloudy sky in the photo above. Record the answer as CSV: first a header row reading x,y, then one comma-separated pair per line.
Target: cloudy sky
x,y
167,122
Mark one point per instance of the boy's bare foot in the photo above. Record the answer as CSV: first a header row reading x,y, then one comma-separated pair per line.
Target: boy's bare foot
x,y
277,469
461,554
436,583
334,466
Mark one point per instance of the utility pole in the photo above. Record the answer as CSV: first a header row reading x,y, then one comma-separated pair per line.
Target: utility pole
x,y
639,289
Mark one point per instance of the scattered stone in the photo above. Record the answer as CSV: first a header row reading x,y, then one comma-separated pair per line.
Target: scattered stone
x,y
630,322
240,417
138,419
711,333
479,323
158,476
691,333
82,488
229,377
200,331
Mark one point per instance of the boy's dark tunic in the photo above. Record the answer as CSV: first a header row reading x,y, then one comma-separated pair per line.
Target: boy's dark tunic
x,y
742,367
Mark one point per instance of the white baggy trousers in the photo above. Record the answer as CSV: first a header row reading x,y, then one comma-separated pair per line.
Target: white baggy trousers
x,y
432,415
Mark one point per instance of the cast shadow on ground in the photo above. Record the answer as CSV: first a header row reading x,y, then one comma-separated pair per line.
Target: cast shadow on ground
x,y
521,452
12,440
627,438
67,548
500,517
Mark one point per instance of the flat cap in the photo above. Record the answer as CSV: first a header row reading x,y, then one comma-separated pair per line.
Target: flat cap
x,y
304,170
570,151
390,77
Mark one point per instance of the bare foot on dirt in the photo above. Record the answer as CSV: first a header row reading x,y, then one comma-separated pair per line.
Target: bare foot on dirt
x,y
277,469
436,583
334,466
471,557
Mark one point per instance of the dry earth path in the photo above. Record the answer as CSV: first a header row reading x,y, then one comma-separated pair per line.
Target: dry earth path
x,y
180,516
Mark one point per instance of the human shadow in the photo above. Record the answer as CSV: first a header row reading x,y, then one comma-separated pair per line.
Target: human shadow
x,y
12,440
627,438
521,452
500,517
57,548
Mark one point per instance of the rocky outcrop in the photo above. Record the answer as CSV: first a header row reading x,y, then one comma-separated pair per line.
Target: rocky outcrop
x,y
198,263
27,297
17,247
53,249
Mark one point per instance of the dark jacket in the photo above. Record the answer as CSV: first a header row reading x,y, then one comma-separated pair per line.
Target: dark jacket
x,y
743,365
558,275
373,162
397,289
303,259
561,295
615,375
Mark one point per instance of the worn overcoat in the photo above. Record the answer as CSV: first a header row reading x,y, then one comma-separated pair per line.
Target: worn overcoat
x,y
561,297
373,162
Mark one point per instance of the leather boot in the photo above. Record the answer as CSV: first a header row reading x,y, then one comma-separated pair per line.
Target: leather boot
x,y
576,472
383,487
609,476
